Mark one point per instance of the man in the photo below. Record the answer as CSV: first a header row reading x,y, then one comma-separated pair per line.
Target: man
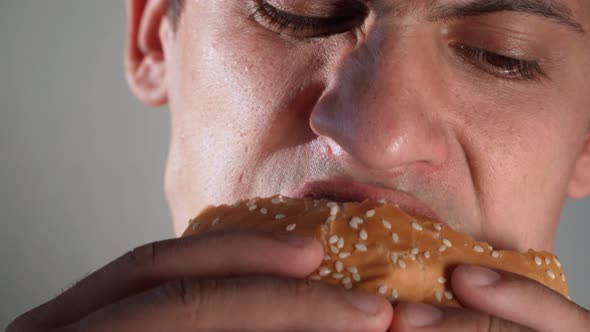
x,y
473,111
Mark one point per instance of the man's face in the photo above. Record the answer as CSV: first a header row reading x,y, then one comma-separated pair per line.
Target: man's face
x,y
415,102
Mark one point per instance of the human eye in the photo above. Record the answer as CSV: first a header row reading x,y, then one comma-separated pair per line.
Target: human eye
x,y
500,65
327,20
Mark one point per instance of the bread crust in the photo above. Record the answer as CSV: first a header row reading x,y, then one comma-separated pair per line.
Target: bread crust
x,y
379,248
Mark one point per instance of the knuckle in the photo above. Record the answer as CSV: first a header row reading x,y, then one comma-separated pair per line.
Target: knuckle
x,y
145,255
186,292
486,323
300,287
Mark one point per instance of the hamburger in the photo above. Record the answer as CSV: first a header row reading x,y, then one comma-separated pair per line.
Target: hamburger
x,y
379,248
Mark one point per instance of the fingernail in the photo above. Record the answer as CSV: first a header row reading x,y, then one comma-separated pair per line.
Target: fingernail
x,y
296,241
480,276
365,302
421,315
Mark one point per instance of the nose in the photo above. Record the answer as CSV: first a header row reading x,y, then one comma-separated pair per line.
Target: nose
x,y
383,106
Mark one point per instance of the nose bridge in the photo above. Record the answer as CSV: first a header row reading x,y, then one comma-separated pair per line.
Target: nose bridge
x,y
380,106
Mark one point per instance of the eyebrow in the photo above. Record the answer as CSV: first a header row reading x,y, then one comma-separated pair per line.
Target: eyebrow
x,y
550,9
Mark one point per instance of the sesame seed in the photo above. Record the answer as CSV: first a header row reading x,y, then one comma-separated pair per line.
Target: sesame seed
x,y
442,248
370,213
414,251
495,254
386,223
353,224
360,247
538,261
276,200
331,204
340,243
324,271
333,239
382,289
251,202
557,261
339,266
448,295
334,249
438,227
477,248
356,277
447,243
291,227
412,257
563,277
490,247
363,235
547,261
280,216
215,221
395,237
401,264
347,286
337,275
394,258
344,255
346,280
263,211
381,201
253,207
441,280
427,254
196,225
551,274
416,226
327,257
352,269
330,219
394,294
334,210
438,295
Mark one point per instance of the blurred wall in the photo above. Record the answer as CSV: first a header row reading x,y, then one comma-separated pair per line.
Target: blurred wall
x,y
81,162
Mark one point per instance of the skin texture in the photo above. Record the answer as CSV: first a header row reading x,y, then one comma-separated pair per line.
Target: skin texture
x,y
255,113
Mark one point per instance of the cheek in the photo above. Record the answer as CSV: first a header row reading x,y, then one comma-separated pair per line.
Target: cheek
x,y
229,106
520,155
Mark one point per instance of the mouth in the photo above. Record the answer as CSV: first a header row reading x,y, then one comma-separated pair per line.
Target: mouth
x,y
349,191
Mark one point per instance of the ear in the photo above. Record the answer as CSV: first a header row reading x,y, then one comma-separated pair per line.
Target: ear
x,y
145,66
579,184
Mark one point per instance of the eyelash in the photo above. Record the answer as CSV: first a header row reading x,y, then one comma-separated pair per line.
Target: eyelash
x,y
306,26
315,27
500,65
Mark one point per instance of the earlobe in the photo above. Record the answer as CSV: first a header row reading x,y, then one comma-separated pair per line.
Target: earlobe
x,y
145,64
579,184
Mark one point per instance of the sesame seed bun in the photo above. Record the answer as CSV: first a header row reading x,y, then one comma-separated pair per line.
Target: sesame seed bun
x,y
379,248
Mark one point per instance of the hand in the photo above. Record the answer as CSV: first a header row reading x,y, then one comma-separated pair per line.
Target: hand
x,y
504,302
221,281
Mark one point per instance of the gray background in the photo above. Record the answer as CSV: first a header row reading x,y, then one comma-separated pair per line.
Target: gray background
x,y
81,162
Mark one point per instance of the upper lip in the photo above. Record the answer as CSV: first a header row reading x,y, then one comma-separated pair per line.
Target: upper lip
x,y
347,190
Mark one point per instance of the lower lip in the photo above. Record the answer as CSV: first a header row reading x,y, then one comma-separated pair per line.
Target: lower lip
x,y
347,191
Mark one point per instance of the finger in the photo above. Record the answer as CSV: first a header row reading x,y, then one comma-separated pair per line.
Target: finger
x,y
243,304
210,254
421,317
518,299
